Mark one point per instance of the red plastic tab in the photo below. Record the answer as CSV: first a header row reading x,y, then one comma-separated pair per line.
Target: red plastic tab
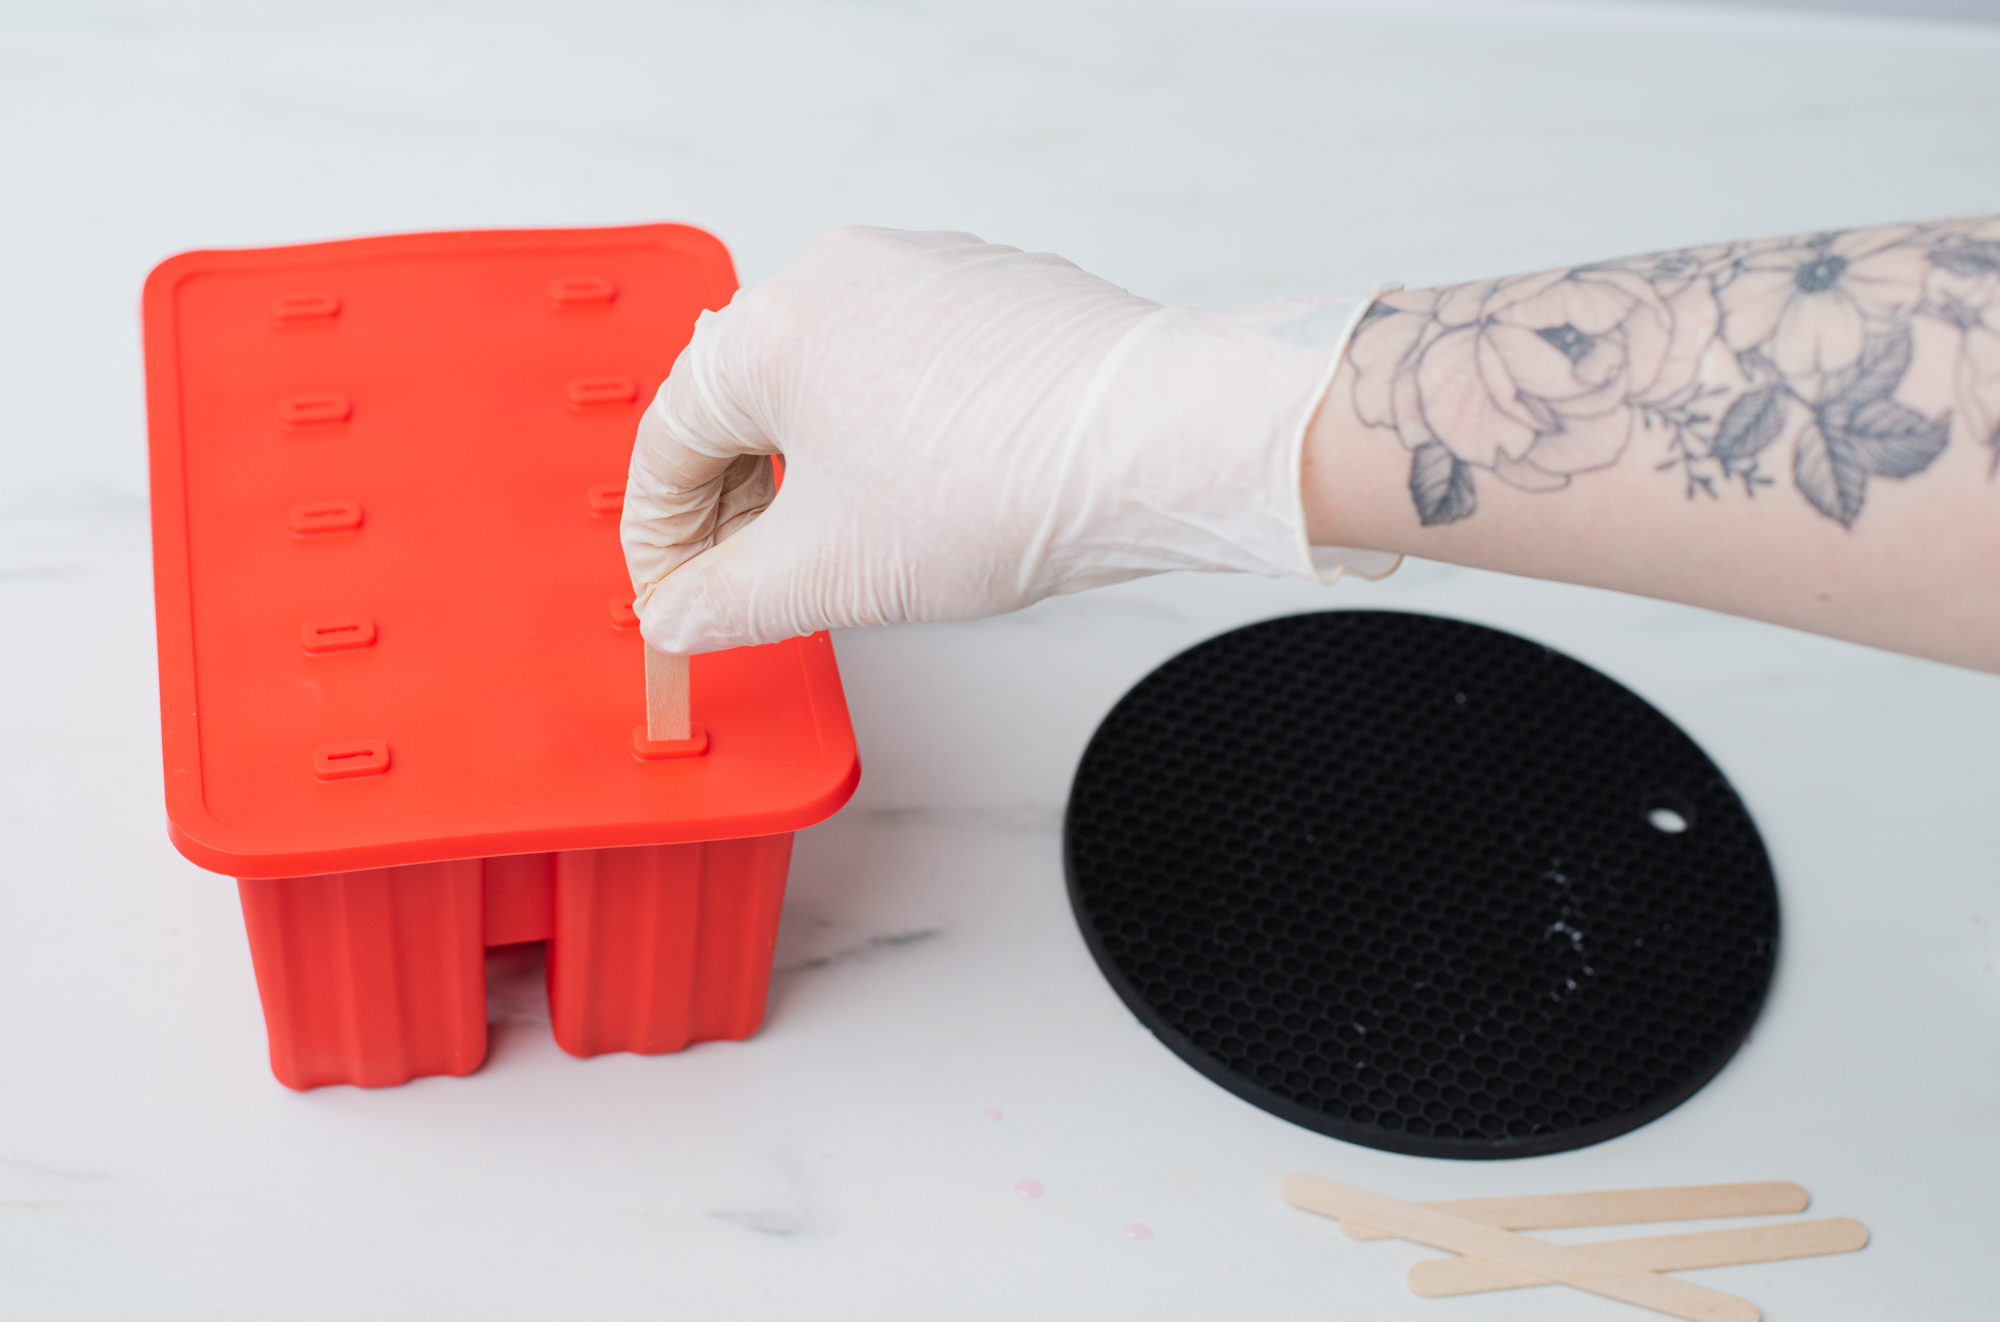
x,y
305,307
605,498
658,750
364,757
319,516
346,633
594,391
622,614
314,410
581,291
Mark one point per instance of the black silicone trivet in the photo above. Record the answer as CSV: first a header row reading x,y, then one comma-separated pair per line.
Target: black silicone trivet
x,y
1415,883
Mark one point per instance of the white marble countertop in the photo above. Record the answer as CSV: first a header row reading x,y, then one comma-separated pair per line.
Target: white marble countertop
x,y
843,1163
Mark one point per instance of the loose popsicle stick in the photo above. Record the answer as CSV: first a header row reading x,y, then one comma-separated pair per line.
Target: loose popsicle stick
x,y
1442,1277
667,696
1616,1207
1556,1262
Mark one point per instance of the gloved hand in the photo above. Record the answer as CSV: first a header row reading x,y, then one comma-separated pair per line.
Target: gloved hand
x,y
966,429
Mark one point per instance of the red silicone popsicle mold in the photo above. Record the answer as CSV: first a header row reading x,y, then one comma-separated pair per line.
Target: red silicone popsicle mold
x,y
387,476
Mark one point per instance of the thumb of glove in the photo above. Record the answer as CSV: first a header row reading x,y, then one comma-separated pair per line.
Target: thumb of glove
x,y
773,579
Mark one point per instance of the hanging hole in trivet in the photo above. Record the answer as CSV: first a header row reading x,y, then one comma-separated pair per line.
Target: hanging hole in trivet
x,y
1398,879
1669,814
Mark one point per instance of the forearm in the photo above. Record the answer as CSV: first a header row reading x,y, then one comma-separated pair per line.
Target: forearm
x,y
1798,430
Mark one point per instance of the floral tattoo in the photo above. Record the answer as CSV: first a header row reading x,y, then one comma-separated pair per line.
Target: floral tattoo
x,y
1844,357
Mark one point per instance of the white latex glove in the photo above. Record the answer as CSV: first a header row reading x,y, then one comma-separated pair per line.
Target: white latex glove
x,y
966,429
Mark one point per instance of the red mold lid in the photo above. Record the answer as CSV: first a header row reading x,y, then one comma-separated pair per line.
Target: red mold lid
x,y
387,476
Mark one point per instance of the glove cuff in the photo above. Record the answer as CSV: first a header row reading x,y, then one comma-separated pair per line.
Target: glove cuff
x,y
1192,435
1329,564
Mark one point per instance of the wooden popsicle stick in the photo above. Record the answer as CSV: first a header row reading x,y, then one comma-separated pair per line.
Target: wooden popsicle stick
x,y
1556,1262
1616,1207
667,696
1442,1277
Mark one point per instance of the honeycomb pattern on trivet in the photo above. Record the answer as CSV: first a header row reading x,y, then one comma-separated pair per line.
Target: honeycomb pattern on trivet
x,y
1398,879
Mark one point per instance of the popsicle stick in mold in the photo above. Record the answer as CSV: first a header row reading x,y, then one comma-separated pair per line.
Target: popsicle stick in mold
x,y
1615,1207
667,697
1442,1277
1555,1262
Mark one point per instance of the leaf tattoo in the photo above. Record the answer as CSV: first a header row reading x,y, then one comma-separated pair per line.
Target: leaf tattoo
x,y
1748,428
1888,439
1972,258
1862,433
1441,484
1721,356
1883,365
1829,477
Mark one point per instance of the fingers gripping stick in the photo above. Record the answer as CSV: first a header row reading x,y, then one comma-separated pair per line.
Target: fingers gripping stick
x,y
669,731
1099,384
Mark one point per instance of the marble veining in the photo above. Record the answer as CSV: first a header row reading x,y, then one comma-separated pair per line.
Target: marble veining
x,y
860,952
844,1163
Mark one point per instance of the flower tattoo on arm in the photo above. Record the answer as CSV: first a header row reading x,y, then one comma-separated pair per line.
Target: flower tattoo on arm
x,y
1726,365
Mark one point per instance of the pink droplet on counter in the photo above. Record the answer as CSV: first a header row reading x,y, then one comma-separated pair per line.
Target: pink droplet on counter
x,y
992,1113
1137,1231
1028,1188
